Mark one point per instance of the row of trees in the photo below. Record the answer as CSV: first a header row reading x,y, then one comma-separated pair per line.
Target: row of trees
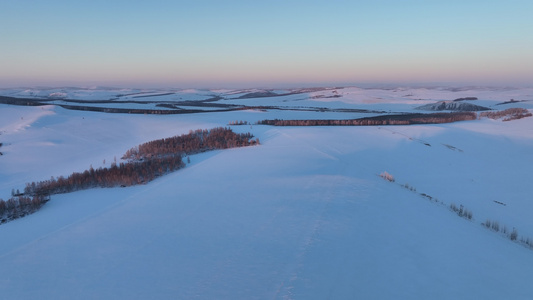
x,y
194,142
146,162
124,174
512,235
508,114
404,119
238,122
463,212
17,207
130,110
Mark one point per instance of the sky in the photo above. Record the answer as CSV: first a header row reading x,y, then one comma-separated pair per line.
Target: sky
x,y
215,44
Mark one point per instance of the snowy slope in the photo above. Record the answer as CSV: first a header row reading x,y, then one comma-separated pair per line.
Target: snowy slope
x,y
303,216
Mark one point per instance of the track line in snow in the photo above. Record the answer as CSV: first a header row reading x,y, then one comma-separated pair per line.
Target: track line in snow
x,y
326,196
407,136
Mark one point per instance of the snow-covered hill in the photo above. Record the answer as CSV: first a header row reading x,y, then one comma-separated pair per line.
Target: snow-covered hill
x,y
452,106
394,100
305,215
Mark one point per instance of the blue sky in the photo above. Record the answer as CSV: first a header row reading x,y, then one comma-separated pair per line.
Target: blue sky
x,y
265,43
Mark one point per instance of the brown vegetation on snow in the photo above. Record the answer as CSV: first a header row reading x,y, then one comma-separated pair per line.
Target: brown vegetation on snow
x,y
508,114
191,143
145,162
20,206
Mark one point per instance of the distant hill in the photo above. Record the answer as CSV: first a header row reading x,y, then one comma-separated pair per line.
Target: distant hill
x,y
452,105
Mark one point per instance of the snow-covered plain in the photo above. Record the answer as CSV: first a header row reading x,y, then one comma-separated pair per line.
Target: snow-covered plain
x,y
302,216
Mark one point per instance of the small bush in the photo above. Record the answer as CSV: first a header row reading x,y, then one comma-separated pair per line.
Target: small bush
x,y
462,212
411,188
454,207
495,226
487,223
385,175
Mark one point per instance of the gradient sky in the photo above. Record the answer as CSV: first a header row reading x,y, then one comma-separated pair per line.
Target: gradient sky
x,y
209,43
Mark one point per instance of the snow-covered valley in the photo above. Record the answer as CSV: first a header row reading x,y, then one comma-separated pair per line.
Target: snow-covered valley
x,y
304,215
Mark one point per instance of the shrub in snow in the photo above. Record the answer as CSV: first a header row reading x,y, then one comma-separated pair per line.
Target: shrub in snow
x,y
453,207
488,223
462,211
513,236
411,188
467,214
529,242
495,226
385,175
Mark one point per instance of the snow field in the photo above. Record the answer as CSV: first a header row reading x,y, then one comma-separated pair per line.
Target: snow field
x,y
302,216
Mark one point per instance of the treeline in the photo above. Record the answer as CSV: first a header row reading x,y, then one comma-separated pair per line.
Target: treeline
x,y
403,119
131,110
20,101
124,174
508,114
146,162
194,142
18,207
238,122
466,99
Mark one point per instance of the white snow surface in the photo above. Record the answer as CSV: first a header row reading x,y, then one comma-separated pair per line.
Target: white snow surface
x,y
302,216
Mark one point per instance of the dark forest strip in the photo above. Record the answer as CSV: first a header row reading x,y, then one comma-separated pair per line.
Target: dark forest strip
x,y
402,119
